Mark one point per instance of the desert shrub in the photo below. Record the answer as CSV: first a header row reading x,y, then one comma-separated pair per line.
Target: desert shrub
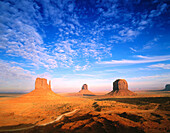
x,y
164,106
94,103
138,101
98,109
132,117
96,106
147,107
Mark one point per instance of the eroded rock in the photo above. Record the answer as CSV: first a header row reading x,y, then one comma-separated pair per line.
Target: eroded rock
x,y
41,84
84,91
84,87
120,88
167,87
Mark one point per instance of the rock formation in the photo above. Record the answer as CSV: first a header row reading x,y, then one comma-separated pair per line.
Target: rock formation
x,y
84,87
120,88
85,92
41,84
167,87
41,92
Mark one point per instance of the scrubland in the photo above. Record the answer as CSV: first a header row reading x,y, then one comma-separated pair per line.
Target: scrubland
x,y
146,112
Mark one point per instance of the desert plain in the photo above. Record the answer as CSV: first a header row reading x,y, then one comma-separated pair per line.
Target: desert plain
x,y
44,111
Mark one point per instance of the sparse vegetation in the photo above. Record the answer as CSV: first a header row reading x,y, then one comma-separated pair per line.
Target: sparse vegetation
x,y
132,117
107,115
96,106
138,101
147,107
165,106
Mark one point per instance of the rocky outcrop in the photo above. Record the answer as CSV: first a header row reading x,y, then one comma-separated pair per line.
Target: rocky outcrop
x,y
41,84
85,92
41,92
120,88
167,87
120,84
84,87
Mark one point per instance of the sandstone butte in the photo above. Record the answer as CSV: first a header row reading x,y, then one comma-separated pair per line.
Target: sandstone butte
x,y
42,91
167,87
120,88
85,92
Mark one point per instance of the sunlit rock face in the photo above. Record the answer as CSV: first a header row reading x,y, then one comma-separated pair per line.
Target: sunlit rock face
x,y
84,87
120,84
120,88
41,84
167,87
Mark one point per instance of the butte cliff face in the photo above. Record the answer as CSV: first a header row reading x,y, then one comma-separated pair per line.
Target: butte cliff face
x,y
85,92
41,84
120,88
167,87
84,87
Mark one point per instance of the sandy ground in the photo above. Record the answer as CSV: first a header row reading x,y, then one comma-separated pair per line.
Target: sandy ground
x,y
146,112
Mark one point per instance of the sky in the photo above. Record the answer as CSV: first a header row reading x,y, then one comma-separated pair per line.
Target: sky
x,y
73,42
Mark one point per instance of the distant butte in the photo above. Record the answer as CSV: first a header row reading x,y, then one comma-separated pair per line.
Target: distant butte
x,y
85,92
120,88
167,87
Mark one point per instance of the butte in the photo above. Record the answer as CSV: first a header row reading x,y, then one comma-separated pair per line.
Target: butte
x,y
41,92
120,88
167,87
85,92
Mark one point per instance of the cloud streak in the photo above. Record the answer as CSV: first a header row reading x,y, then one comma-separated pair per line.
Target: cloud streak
x,y
163,66
146,59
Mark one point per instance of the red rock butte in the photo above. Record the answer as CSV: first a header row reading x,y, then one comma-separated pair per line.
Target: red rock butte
x,y
41,92
84,91
120,88
41,84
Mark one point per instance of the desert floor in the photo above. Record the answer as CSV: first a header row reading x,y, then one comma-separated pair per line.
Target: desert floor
x,y
146,112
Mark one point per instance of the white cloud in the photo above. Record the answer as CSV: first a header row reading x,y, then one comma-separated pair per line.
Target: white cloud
x,y
81,68
151,43
149,82
20,36
146,59
10,71
111,12
160,9
143,22
15,78
134,50
163,66
126,32
150,77
77,68
86,75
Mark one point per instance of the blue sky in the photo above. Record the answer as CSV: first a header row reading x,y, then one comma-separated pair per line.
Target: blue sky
x,y
76,42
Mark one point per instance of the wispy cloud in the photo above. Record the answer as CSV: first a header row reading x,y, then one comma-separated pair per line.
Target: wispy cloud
x,y
134,50
146,59
163,66
149,77
10,71
57,35
15,78
86,75
160,9
151,43
81,68
157,81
